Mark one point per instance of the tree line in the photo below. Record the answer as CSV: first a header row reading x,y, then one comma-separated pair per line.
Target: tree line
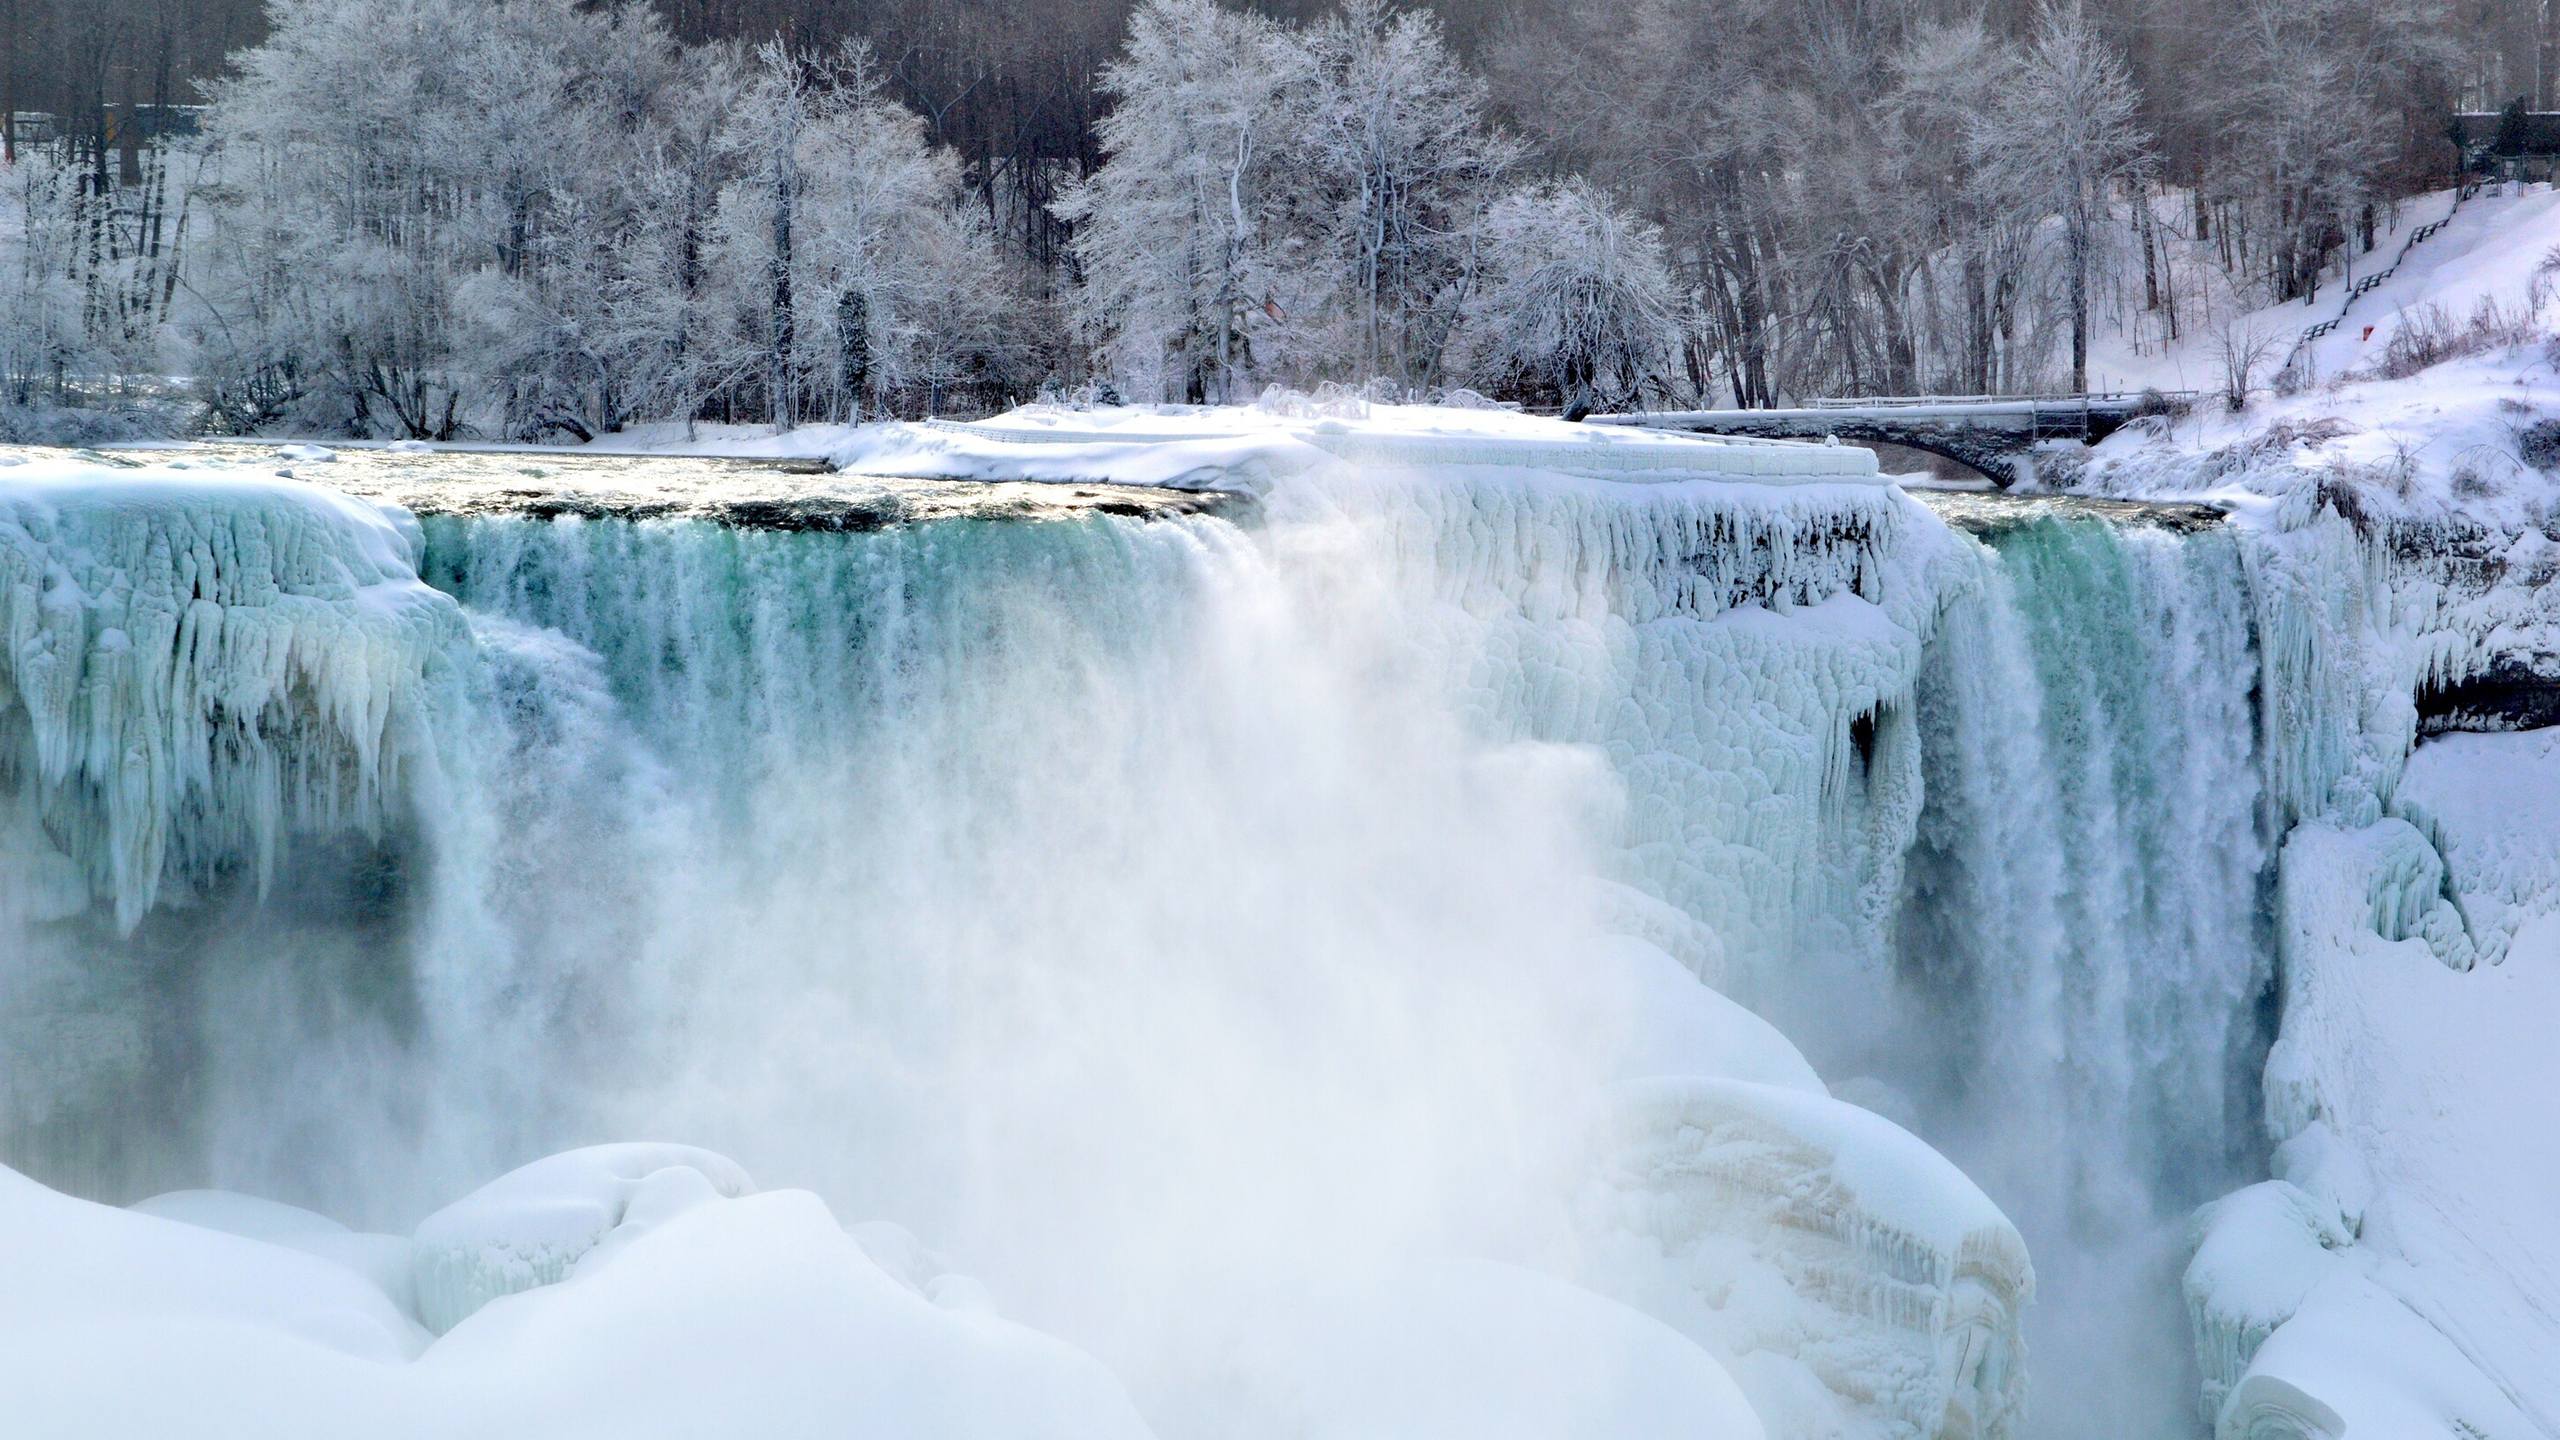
x,y
548,219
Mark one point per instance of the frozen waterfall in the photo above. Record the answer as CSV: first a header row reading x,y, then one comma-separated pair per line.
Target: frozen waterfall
x,y
1200,925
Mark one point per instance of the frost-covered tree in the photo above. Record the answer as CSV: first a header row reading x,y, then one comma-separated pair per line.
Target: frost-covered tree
x,y
411,202
2061,137
664,299
1183,234
1578,302
1393,128
2313,106
859,271
545,219
44,345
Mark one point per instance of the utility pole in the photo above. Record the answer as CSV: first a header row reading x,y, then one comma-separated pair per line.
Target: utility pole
x,y
13,28
2546,51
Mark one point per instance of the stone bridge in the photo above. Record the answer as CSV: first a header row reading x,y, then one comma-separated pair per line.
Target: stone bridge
x,y
1990,433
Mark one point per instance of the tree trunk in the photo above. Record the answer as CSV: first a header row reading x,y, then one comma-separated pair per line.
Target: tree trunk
x,y
2077,243
853,349
12,22
784,341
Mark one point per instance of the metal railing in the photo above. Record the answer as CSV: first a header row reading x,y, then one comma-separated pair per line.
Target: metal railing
x,y
2374,281
2096,398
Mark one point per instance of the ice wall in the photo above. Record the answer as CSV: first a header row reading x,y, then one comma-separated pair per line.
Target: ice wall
x,y
198,668
216,691
1744,660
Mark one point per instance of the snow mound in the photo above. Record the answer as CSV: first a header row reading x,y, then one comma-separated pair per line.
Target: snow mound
x,y
762,1316
758,1317
202,667
384,1260
1494,1352
91,1275
533,1225
1817,1240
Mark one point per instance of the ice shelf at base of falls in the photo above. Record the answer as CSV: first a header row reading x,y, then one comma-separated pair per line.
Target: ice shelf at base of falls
x,y
192,669
756,1315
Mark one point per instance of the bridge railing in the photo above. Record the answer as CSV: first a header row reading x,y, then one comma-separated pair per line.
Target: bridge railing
x,y
2108,398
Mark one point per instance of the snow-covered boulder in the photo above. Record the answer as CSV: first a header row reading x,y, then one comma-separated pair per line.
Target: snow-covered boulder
x,y
534,1224
1850,1275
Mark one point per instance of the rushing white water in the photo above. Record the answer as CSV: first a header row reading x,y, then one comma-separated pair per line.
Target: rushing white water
x,y
2085,948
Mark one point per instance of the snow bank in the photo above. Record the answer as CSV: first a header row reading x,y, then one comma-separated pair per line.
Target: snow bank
x,y
199,667
2395,1272
756,1316
1245,447
94,1285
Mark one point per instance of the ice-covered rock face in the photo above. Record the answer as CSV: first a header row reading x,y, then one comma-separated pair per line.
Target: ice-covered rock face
x,y
2384,1281
192,669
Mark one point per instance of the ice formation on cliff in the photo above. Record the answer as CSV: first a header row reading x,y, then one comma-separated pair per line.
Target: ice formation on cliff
x,y
201,666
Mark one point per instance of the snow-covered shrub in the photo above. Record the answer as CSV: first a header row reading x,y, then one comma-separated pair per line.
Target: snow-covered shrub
x,y
1577,302
2538,443
2431,335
